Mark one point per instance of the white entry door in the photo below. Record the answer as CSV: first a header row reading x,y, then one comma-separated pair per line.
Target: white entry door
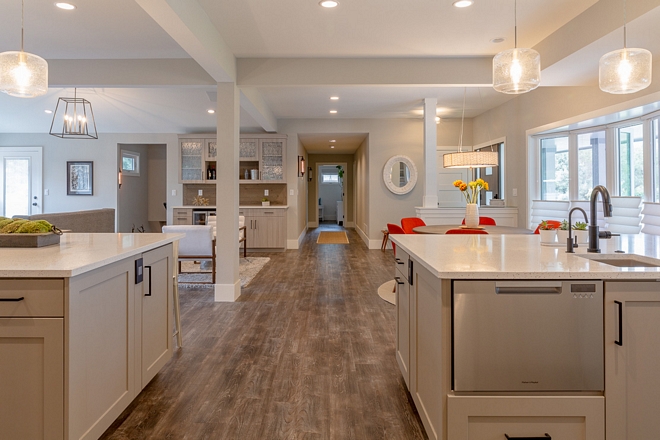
x,y
448,195
20,181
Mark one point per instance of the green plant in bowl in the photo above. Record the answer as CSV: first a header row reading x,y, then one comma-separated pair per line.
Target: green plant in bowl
x,y
580,226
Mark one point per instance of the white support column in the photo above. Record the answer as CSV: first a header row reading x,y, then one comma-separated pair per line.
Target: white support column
x,y
430,154
228,283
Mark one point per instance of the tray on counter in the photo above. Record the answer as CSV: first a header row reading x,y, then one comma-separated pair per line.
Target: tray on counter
x,y
29,240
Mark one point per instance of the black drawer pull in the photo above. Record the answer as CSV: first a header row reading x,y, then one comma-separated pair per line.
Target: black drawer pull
x,y
545,437
398,261
398,280
148,267
619,342
12,299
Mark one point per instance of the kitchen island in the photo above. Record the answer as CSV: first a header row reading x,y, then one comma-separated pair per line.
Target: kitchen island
x,y
428,269
84,326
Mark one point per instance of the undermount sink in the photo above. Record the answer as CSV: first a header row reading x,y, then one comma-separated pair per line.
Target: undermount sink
x,y
627,261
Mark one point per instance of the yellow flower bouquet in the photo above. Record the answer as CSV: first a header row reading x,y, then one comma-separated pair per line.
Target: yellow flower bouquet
x,y
471,190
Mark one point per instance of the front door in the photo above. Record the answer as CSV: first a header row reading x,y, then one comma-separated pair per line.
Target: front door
x,y
20,181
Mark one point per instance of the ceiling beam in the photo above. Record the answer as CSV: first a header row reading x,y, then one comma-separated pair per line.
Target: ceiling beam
x,y
174,72
436,72
189,25
253,103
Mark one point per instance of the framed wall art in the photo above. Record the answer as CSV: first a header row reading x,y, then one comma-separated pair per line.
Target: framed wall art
x,y
80,178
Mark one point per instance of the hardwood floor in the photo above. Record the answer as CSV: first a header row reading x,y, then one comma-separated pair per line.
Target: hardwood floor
x,y
307,352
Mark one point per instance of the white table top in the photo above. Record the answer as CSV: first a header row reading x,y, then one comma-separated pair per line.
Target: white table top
x,y
77,253
523,257
441,229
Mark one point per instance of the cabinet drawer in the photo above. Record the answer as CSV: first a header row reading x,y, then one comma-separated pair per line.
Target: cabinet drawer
x,y
181,212
490,418
401,262
40,298
257,212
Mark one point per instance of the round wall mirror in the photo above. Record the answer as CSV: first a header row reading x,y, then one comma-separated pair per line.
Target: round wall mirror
x,y
400,174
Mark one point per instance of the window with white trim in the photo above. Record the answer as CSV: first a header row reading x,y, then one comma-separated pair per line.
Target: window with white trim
x,y
554,168
330,178
630,160
130,163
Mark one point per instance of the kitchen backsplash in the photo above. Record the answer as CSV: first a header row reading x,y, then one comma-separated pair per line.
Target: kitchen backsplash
x,y
249,194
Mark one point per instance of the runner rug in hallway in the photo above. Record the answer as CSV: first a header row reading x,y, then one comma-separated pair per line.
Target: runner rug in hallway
x,y
248,268
334,237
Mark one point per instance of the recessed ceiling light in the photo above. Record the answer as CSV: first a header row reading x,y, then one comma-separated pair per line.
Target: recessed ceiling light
x,y
333,111
329,3
497,40
333,140
332,146
437,119
48,111
463,3
334,98
211,111
67,6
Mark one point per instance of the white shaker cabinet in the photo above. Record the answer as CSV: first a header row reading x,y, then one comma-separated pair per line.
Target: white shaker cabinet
x,y
632,378
402,314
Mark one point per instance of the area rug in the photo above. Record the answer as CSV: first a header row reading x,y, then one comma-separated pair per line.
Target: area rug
x,y
335,237
248,268
385,292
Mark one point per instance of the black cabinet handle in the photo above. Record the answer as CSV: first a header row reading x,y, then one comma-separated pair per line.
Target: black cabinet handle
x,y
398,261
12,299
619,342
545,437
398,280
410,272
148,267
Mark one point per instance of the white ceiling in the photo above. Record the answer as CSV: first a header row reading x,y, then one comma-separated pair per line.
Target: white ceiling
x,y
431,29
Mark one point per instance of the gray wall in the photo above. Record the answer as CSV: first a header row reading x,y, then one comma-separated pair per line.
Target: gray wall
x,y
133,196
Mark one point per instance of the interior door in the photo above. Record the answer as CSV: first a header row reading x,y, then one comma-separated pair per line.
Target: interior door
x,y
448,195
20,181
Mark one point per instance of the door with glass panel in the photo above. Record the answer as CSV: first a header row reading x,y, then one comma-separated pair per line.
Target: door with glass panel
x,y
20,181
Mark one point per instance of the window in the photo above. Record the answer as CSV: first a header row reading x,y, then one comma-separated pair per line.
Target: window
x,y
630,160
591,162
554,168
130,163
330,178
491,175
655,153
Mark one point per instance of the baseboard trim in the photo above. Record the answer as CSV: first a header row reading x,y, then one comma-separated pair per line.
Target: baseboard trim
x,y
363,236
227,292
295,244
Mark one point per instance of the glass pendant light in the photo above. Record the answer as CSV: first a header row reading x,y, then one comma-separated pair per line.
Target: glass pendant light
x,y
625,70
469,159
23,74
516,70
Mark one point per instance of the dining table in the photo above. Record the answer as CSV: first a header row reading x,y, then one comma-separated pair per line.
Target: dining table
x,y
495,230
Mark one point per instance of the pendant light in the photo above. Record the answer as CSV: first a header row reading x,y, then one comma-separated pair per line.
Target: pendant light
x,y
23,74
76,117
625,70
516,70
469,159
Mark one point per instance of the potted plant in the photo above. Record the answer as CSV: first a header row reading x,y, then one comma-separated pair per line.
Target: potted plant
x,y
548,232
580,231
562,232
265,202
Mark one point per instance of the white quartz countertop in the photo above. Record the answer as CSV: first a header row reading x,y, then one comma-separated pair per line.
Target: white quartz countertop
x,y
77,253
523,257
207,208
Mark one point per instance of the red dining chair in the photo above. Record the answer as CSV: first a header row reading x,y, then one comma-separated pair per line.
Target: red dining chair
x,y
394,229
487,221
554,223
466,231
408,223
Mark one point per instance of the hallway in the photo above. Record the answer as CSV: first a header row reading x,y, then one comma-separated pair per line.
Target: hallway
x,y
306,352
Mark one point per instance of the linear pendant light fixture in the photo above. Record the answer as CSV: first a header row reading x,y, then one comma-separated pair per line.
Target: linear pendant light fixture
x,y
625,70
23,74
75,116
468,159
516,70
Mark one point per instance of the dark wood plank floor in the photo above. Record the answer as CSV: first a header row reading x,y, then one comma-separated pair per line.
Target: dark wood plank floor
x,y
307,352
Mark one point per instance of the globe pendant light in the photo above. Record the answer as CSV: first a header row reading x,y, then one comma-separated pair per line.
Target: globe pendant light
x,y
516,70
469,159
23,74
625,70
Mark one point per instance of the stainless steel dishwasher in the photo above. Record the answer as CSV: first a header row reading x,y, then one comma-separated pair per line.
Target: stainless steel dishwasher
x,y
528,336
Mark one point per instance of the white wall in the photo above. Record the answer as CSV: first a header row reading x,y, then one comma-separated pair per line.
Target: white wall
x,y
133,196
103,152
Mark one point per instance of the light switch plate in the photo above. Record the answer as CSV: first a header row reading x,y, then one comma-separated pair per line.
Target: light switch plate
x,y
46,192
514,192
265,192
173,192
291,192
200,192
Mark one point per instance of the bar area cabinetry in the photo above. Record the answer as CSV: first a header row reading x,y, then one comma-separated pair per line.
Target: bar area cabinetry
x,y
262,158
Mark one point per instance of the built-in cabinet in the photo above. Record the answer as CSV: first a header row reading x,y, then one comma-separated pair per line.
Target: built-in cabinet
x,y
182,216
197,159
265,228
632,357
403,314
75,352
262,158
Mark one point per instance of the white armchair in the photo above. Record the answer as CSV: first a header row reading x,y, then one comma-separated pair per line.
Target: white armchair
x,y
198,244
241,230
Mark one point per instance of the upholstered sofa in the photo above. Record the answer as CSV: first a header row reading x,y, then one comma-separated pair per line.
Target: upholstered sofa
x,y
93,220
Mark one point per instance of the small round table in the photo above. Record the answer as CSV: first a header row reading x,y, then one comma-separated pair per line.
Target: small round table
x,y
495,230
